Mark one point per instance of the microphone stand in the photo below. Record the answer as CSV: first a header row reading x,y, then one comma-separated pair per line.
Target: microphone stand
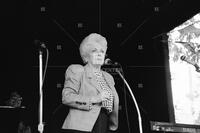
x,y
40,125
137,108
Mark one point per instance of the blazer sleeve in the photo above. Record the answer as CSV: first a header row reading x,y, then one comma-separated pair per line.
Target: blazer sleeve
x,y
70,92
113,116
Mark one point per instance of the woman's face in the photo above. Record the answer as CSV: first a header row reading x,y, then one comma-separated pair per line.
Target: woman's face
x,y
97,54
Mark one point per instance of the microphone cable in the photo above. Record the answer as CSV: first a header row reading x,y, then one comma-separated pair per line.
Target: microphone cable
x,y
45,66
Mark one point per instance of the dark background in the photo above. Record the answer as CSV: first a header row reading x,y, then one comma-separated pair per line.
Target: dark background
x,y
136,34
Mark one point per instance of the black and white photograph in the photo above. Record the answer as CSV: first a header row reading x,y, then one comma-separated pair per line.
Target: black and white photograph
x,y
96,66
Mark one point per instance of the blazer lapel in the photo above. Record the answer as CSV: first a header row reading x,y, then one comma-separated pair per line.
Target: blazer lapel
x,y
107,80
91,78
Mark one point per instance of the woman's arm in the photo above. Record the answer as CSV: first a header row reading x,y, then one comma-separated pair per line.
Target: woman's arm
x,y
70,93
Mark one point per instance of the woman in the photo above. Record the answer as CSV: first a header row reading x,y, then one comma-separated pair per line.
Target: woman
x,y
90,92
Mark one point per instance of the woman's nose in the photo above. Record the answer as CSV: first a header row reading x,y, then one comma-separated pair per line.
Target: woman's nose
x,y
99,54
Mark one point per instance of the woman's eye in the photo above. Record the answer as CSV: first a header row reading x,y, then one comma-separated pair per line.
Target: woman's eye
x,y
102,51
94,50
99,51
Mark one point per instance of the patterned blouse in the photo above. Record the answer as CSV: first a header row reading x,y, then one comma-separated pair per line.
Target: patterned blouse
x,y
107,104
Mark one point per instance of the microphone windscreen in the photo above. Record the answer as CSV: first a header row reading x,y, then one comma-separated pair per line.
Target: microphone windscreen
x,y
107,61
183,57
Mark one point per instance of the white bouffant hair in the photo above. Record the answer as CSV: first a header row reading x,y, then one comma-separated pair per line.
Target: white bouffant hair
x,y
89,42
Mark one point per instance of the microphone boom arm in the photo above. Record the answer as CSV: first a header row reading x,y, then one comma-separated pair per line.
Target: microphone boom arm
x,y
135,102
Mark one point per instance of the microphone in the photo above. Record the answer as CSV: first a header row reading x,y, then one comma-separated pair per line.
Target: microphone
x,y
39,43
184,58
108,61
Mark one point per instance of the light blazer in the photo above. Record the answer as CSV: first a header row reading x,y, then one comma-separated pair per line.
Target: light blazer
x,y
80,85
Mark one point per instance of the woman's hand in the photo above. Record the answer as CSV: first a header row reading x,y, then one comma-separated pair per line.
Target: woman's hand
x,y
104,95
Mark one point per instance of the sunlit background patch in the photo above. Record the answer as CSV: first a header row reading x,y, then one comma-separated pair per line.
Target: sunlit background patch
x,y
184,41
